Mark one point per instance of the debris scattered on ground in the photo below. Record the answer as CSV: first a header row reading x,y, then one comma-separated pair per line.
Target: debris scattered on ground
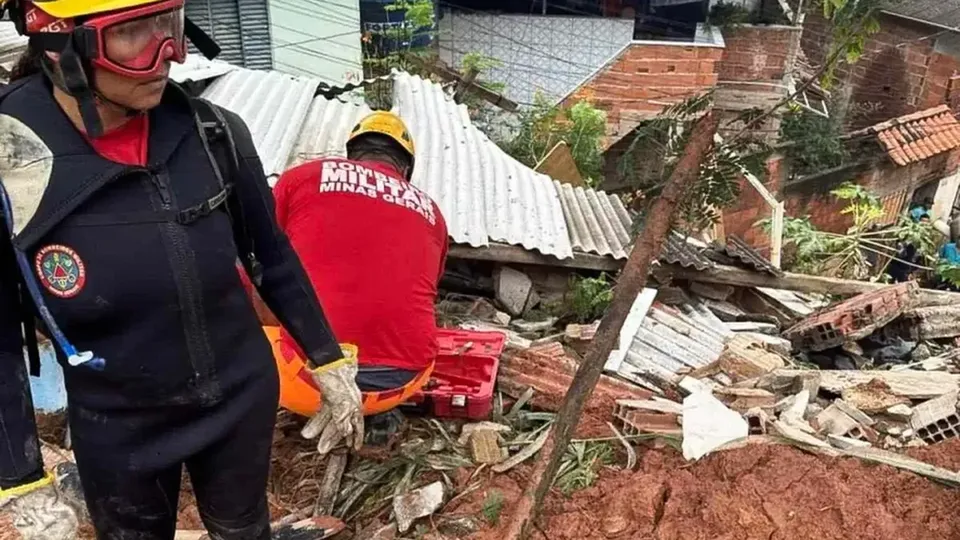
x,y
418,503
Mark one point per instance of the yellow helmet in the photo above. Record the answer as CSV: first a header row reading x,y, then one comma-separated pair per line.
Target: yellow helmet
x,y
388,124
68,9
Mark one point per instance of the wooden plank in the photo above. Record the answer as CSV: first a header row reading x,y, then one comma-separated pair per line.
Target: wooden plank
x,y
776,236
875,455
518,255
728,275
559,165
909,384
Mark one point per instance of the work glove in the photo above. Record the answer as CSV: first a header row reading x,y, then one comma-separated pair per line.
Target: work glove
x,y
341,414
38,511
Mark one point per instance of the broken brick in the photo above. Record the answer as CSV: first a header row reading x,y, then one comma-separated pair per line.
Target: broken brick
x,y
743,358
549,371
872,397
853,319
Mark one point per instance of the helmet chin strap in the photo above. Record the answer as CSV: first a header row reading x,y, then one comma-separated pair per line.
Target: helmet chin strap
x,y
86,94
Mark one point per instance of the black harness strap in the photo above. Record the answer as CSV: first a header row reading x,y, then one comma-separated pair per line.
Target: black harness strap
x,y
219,144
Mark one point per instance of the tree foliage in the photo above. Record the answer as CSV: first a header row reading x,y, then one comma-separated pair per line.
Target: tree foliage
x,y
542,125
817,144
661,141
852,23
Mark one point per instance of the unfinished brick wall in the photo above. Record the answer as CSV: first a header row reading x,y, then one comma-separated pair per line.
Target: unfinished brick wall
x,y
644,79
758,53
903,68
740,219
756,61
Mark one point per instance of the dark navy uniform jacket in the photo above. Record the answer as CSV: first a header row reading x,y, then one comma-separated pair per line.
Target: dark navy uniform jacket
x,y
161,301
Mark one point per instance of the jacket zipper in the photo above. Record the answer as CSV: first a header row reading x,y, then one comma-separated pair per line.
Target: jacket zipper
x,y
186,277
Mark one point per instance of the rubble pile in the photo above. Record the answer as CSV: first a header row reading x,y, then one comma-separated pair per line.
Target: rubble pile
x,y
724,411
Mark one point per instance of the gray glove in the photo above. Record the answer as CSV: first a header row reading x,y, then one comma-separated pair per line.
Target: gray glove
x,y
341,409
39,513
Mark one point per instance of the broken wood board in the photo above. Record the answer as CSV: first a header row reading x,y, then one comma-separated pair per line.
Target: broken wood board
x,y
655,405
873,455
743,400
913,385
739,277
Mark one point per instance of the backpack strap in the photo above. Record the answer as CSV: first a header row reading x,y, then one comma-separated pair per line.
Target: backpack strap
x,y
220,146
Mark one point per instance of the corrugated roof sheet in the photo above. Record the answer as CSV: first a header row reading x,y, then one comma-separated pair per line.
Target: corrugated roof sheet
x,y
919,136
893,206
598,222
273,105
738,249
325,130
944,13
679,250
483,193
666,340
198,68
12,44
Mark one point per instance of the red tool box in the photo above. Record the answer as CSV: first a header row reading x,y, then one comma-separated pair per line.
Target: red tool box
x,y
464,375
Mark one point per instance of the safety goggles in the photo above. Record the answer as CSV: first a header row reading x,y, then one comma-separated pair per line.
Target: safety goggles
x,y
133,42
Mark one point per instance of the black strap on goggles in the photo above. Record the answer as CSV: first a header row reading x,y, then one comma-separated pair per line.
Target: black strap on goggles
x,y
200,39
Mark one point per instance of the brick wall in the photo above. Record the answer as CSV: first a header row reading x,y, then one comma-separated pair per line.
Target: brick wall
x,y
904,68
759,53
644,79
752,73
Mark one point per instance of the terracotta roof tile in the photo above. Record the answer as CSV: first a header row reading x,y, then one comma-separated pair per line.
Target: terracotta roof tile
x,y
919,136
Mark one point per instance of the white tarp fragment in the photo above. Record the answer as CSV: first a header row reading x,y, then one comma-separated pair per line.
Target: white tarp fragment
x,y
708,424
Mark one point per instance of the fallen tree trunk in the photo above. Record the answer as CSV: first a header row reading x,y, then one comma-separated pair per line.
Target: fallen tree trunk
x,y
739,277
629,286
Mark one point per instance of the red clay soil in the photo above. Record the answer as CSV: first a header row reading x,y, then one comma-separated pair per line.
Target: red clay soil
x,y
761,492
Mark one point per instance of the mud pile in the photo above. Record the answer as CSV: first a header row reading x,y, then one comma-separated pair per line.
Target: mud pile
x,y
761,492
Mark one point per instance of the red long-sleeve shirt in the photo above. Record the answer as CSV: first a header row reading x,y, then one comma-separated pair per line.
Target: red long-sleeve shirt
x,y
374,248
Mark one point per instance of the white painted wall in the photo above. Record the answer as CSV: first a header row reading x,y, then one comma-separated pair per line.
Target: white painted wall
x,y
317,38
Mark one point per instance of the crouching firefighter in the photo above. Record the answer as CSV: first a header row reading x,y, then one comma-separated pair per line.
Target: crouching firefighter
x,y
125,207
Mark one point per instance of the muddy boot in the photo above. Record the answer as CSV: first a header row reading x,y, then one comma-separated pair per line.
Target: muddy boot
x,y
309,529
379,429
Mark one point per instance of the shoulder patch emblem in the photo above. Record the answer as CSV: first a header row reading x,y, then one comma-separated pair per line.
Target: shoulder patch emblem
x,y
61,270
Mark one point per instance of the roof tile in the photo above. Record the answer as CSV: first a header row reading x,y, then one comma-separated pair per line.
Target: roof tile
x,y
918,136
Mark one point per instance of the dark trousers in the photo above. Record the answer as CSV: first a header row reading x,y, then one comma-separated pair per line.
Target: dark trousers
x,y
229,475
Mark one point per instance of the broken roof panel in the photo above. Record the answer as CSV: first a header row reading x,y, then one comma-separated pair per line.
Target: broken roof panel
x,y
12,45
918,136
274,107
943,13
483,193
743,252
598,222
198,68
680,250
